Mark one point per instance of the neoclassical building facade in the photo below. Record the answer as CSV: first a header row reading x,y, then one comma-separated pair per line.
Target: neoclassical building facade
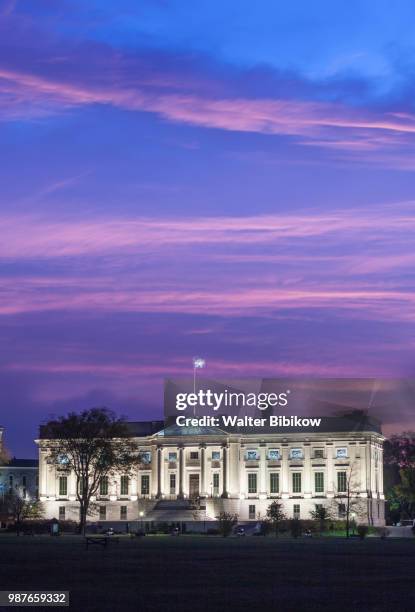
x,y
195,473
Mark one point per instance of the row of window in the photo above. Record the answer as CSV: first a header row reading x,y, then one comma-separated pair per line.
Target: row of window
x,y
13,484
274,454
274,483
193,456
102,513
104,485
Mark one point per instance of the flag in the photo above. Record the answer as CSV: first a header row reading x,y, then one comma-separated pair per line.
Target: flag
x,y
198,362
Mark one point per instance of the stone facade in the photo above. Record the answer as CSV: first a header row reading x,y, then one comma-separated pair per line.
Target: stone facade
x,y
241,472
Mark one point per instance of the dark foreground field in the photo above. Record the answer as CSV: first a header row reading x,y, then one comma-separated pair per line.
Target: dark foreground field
x,y
209,573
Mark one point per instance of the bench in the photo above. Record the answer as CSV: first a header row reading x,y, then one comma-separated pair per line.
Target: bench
x,y
99,540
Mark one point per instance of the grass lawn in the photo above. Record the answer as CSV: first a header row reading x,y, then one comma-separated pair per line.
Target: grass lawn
x,y
211,573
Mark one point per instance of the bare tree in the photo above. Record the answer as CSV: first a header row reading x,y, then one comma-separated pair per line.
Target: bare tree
x,y
93,444
20,509
348,500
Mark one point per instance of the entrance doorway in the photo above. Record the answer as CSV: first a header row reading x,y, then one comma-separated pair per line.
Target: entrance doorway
x,y
193,486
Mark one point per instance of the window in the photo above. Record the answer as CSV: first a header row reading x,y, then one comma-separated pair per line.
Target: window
x,y
172,484
296,511
341,453
123,513
102,513
103,486
145,457
145,484
274,454
318,507
61,513
24,493
216,484
251,510
342,510
24,481
10,484
296,453
63,459
194,455
274,482
215,455
318,453
252,455
296,482
63,486
319,482
125,481
341,482
252,483
172,457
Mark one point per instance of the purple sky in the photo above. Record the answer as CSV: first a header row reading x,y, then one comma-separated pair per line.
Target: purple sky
x,y
231,182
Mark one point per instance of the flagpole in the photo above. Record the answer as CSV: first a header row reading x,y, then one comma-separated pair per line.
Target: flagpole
x,y
194,378
198,362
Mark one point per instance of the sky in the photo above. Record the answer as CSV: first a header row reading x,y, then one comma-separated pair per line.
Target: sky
x,y
226,179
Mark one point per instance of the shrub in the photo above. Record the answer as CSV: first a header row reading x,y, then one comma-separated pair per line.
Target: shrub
x,y
227,522
296,527
362,530
265,528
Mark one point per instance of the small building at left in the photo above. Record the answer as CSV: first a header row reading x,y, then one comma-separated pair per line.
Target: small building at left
x,y
18,476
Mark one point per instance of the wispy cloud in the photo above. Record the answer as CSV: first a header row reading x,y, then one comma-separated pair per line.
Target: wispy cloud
x,y
33,236
323,124
359,262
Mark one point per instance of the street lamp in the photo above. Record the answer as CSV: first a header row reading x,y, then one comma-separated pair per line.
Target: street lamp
x,y
141,514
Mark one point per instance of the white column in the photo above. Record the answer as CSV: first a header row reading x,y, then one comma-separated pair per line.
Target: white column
x,y
285,486
307,471
234,469
263,471
181,472
380,469
363,485
330,471
134,486
153,483
225,470
203,451
43,485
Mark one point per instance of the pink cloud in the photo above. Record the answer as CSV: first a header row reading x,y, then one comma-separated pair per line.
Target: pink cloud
x,y
180,368
239,299
31,236
292,264
321,123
